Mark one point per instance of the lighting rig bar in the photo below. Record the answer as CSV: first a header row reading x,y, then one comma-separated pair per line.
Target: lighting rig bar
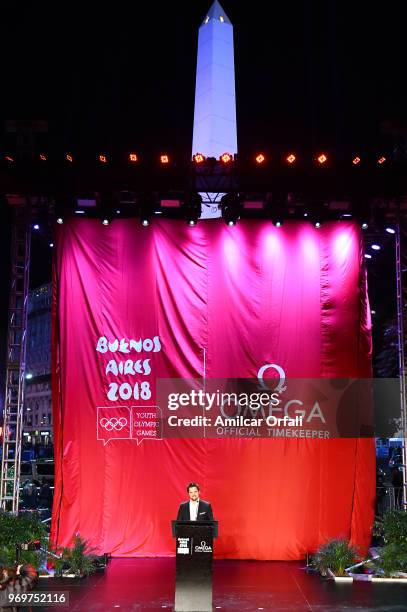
x,y
319,174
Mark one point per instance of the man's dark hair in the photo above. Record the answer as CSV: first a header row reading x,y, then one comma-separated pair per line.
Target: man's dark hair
x,y
192,484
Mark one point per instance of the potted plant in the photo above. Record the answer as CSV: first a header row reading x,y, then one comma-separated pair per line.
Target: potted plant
x,y
74,562
17,536
392,559
334,557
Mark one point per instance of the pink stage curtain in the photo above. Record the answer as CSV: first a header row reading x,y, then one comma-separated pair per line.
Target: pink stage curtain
x,y
227,299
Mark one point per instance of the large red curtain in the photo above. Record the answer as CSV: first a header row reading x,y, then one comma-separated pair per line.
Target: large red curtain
x,y
224,301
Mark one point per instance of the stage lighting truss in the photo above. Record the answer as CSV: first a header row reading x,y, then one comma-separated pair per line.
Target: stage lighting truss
x,y
199,158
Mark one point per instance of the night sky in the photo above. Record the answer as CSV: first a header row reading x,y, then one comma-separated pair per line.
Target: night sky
x,y
308,75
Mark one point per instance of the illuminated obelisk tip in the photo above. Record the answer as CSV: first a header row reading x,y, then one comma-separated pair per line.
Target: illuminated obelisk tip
x,y
215,103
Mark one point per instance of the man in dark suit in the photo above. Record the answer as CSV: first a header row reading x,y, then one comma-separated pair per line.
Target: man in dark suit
x,y
195,509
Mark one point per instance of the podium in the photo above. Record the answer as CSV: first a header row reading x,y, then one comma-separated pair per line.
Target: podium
x,y
194,551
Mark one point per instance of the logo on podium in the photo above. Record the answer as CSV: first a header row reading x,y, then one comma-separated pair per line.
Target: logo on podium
x,y
183,546
203,548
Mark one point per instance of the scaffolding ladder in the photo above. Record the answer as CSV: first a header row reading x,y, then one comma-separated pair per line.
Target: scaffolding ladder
x,y
401,278
16,352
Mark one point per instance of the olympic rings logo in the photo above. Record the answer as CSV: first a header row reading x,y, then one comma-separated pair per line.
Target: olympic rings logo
x,y
113,423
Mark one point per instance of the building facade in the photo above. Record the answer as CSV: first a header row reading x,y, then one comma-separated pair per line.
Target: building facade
x,y
37,430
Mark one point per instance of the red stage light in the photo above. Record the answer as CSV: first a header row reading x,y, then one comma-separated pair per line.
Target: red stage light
x,y
199,158
322,158
102,159
164,159
133,157
9,158
260,158
69,158
356,161
291,158
381,160
226,158
43,157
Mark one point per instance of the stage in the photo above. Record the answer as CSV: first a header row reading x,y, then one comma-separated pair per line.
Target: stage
x,y
148,584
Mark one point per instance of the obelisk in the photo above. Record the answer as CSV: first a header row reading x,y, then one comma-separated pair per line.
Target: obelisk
x,y
215,101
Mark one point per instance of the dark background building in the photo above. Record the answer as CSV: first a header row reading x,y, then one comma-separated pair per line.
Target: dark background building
x,y
38,400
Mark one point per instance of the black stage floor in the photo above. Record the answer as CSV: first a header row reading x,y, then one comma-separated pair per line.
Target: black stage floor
x,y
148,584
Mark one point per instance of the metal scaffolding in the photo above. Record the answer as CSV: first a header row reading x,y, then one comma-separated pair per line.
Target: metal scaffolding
x,y
401,278
15,366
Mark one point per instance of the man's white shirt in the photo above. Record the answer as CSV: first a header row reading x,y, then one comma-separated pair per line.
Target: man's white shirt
x,y
193,509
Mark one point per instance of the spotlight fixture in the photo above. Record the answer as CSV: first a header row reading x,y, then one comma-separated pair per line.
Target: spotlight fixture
x,y
231,207
43,157
381,160
60,220
317,224
260,158
376,247
103,159
51,244
390,230
322,159
9,158
364,225
105,221
356,161
226,158
133,157
278,222
164,159
36,226
69,157
291,158
146,210
193,208
368,256
199,158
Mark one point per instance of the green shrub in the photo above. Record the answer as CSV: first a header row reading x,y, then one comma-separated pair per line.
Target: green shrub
x,y
75,560
21,529
393,559
394,527
335,555
393,556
